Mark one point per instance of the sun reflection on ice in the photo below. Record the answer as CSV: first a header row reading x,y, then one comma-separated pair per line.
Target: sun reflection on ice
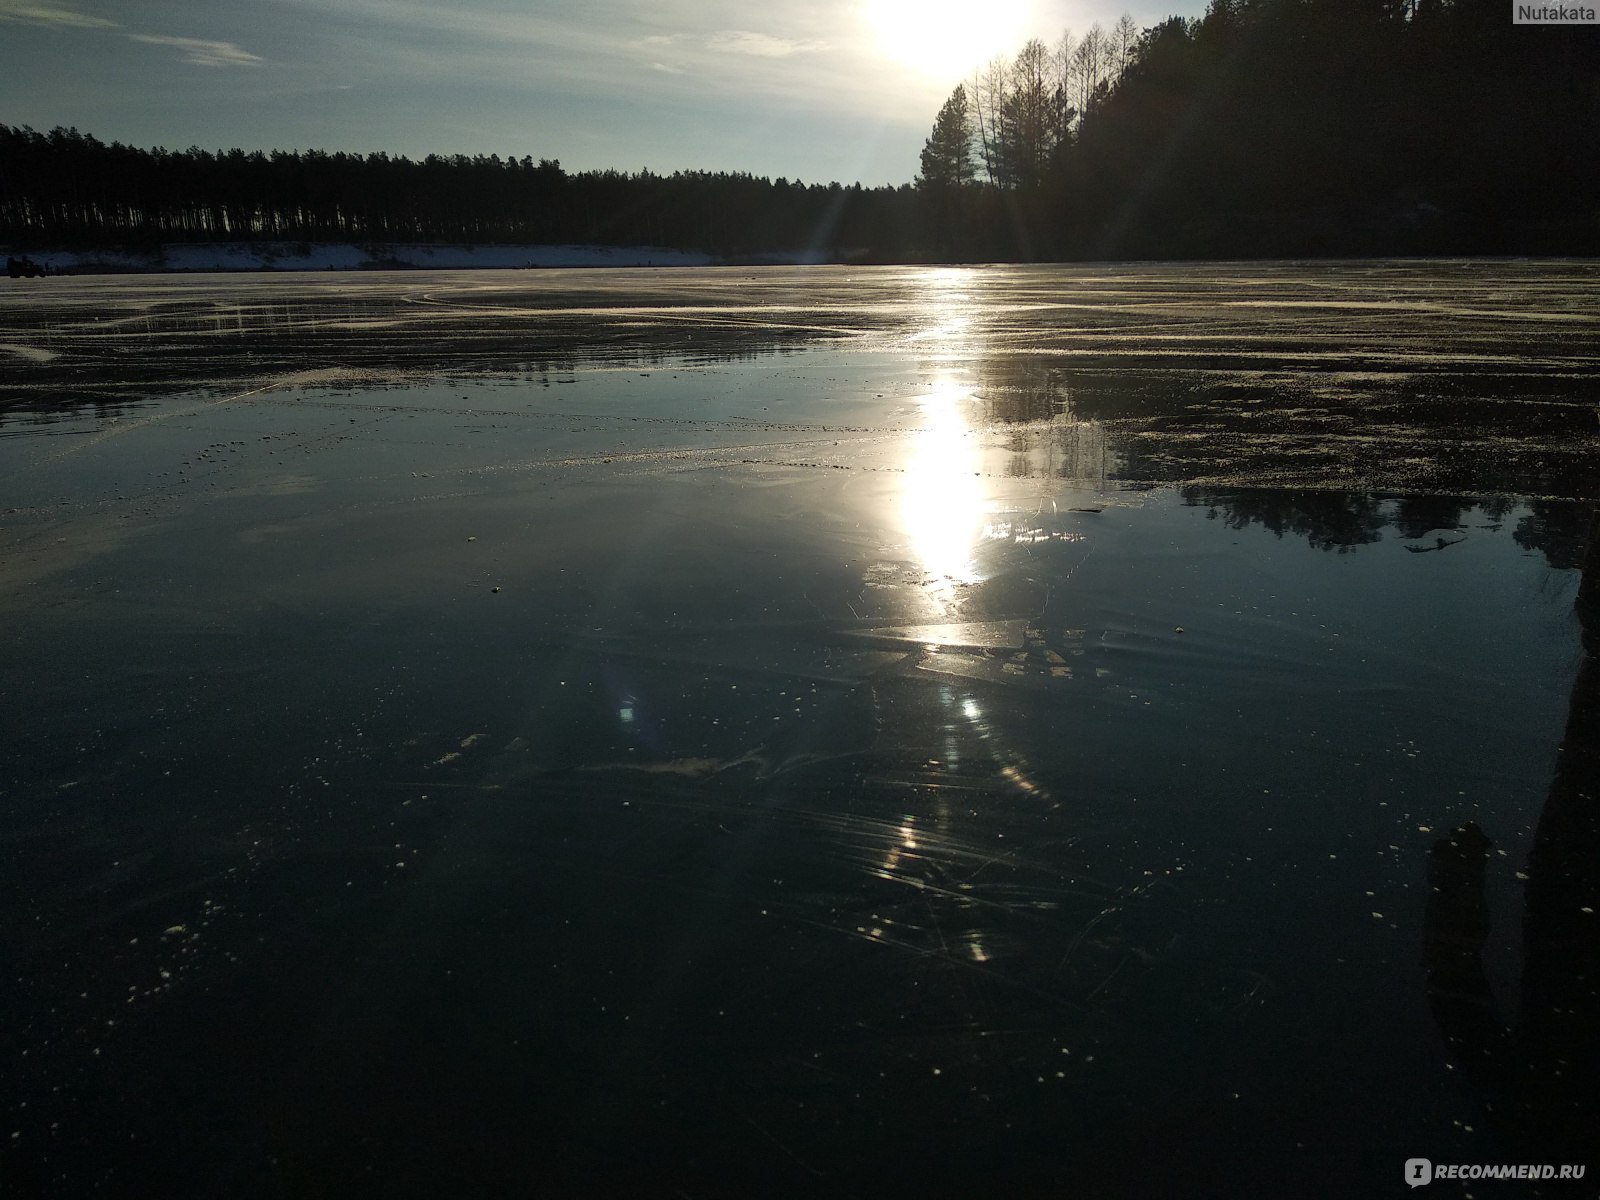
x,y
948,331
942,507
903,844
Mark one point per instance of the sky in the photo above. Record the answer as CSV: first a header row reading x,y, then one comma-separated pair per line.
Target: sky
x,y
819,91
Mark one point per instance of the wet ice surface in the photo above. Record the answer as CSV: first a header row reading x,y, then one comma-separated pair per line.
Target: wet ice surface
x,y
796,732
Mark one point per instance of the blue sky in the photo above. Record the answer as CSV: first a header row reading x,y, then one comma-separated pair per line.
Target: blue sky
x,y
832,89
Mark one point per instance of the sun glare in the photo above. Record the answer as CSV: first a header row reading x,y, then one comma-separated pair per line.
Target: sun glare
x,y
945,39
942,505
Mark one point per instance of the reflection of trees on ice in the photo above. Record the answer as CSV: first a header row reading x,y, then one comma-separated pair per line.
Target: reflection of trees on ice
x,y
1541,1072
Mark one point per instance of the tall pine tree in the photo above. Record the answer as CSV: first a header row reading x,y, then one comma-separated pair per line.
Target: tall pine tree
x,y
947,154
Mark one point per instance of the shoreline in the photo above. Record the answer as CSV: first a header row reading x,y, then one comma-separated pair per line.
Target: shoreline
x,y
211,257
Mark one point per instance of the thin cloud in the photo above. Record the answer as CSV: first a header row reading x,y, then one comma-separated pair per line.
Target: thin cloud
x,y
52,15
759,45
466,24
203,53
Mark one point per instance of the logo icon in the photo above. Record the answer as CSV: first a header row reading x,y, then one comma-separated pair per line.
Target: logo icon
x,y
1418,1172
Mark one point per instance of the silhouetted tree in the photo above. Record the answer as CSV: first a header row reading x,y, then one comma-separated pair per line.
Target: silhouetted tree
x,y
947,154
1029,124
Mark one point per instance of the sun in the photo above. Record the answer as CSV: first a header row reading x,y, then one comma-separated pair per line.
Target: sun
x,y
945,39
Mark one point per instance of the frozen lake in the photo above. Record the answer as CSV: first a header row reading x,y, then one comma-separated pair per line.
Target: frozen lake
x,y
798,731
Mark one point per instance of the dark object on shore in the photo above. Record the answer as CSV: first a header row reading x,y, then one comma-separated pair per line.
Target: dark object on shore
x,y
24,268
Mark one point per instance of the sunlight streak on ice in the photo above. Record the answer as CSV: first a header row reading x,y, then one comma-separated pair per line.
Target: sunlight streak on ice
x,y
942,507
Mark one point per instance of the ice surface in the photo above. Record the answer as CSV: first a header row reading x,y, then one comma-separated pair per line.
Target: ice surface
x,y
935,729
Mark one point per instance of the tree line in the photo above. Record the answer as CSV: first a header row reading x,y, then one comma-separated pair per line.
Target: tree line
x,y
65,188
1277,127
1263,128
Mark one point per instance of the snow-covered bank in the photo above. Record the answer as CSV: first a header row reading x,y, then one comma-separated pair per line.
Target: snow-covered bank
x,y
329,256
